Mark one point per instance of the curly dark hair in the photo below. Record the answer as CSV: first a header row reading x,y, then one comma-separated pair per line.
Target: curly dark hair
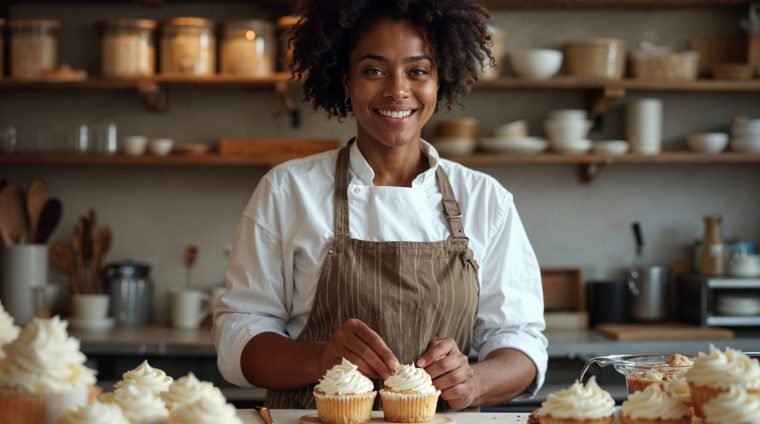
x,y
455,30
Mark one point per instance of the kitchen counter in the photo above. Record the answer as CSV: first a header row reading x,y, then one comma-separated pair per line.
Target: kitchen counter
x,y
292,416
572,344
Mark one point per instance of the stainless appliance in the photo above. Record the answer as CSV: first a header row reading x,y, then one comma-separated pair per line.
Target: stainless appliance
x,y
699,300
131,292
648,300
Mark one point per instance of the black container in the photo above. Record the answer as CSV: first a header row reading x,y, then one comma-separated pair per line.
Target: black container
x,y
607,301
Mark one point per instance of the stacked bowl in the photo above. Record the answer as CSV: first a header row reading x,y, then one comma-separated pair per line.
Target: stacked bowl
x,y
745,135
567,130
456,136
512,138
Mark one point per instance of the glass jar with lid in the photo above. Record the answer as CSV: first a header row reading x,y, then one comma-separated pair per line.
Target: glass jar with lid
x,y
127,48
248,48
285,27
34,47
188,47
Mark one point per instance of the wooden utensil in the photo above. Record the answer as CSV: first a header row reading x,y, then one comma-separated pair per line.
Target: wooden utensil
x,y
62,259
12,219
35,202
97,251
76,245
49,219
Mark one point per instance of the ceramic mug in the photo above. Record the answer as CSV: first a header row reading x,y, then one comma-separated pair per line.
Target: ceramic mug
x,y
188,308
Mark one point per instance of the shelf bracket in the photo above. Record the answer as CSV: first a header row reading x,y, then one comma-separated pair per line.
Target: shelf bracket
x,y
587,172
153,95
599,102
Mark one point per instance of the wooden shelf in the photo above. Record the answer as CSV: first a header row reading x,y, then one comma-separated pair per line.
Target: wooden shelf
x,y
570,83
166,81
491,4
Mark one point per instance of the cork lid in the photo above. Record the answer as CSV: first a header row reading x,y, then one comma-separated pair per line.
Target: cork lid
x,y
34,24
189,22
129,23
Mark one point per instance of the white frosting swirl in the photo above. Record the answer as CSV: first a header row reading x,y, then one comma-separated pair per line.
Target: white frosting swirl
x,y
189,389
344,379
408,378
579,403
733,407
204,411
140,406
679,388
44,359
8,331
653,403
97,413
146,377
723,370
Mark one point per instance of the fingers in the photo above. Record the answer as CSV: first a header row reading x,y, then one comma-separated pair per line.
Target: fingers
x,y
365,354
361,345
436,350
377,344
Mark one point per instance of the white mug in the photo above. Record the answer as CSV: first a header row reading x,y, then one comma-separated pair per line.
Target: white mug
x,y
91,307
188,308
644,126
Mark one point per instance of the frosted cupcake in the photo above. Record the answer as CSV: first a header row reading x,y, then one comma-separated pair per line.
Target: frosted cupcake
x,y
578,404
8,331
97,413
43,374
714,373
146,378
735,406
140,406
206,410
344,395
408,396
654,406
189,389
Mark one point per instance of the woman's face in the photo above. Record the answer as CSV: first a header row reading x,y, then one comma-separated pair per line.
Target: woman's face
x,y
392,83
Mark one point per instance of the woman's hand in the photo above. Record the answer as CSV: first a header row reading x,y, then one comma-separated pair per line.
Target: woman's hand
x,y
451,373
361,345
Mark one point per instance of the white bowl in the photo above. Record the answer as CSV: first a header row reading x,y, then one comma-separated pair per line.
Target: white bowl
x,y
708,142
611,147
516,129
566,131
571,114
536,63
454,146
134,145
746,144
517,146
576,147
160,146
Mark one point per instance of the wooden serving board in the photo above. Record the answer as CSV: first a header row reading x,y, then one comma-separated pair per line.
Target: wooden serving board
x,y
625,332
377,418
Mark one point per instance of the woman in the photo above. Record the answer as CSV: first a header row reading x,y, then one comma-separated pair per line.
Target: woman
x,y
382,252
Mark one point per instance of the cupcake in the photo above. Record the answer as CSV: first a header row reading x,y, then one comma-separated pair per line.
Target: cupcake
x,y
97,413
735,406
43,374
140,405
408,396
654,406
146,378
679,388
344,395
578,404
8,331
205,410
189,389
714,373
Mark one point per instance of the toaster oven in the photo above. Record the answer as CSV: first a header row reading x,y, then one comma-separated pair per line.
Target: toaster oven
x,y
719,301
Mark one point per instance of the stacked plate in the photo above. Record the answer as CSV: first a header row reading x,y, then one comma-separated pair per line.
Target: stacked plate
x,y
567,130
745,135
512,138
744,305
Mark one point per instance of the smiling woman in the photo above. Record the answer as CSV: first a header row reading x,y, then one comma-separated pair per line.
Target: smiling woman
x,y
433,264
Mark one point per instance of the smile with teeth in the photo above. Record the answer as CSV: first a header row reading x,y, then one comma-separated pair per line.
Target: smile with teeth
x,y
395,114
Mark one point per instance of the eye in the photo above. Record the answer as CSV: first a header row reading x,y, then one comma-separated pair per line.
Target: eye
x,y
418,72
373,72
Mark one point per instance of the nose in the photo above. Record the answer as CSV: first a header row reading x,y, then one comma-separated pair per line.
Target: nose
x,y
397,87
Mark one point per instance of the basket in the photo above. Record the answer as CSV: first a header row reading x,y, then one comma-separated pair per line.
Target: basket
x,y
596,58
665,66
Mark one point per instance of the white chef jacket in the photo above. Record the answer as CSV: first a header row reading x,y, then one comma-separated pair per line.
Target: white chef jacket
x,y
283,236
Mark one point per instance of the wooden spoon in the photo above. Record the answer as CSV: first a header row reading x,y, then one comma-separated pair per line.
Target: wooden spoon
x,y
97,251
76,245
12,219
62,259
35,202
49,219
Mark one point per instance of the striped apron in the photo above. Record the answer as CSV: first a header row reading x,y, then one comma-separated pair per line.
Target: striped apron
x,y
408,292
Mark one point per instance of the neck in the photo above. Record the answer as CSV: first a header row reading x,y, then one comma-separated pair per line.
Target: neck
x,y
394,166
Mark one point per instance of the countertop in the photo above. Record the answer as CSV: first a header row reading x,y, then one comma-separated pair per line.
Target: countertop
x,y
580,344
292,416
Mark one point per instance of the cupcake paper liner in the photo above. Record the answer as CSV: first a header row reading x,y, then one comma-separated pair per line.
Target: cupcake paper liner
x,y
545,419
409,407
625,419
345,409
20,407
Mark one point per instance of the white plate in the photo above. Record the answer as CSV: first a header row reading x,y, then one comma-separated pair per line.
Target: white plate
x,y
517,146
576,147
91,325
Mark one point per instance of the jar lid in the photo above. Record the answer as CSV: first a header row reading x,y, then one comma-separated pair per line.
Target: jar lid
x,y
129,268
34,24
130,23
287,22
189,22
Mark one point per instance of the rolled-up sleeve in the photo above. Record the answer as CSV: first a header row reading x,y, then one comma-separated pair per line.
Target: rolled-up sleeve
x,y
255,300
510,313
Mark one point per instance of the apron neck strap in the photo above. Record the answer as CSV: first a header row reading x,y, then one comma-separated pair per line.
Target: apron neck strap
x,y
450,204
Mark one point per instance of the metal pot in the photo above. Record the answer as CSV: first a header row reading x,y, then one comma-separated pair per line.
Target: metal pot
x,y
649,300
131,292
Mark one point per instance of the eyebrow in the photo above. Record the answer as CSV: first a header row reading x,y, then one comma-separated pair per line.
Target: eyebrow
x,y
406,59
